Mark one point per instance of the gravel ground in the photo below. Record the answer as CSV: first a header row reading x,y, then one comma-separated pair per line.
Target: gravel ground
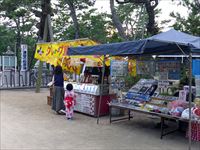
x,y
28,123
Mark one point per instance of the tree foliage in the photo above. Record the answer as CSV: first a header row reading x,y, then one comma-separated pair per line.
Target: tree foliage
x,y
71,8
21,20
133,18
19,23
191,23
7,36
150,6
116,21
91,24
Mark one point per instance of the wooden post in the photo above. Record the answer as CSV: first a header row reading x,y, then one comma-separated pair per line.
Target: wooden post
x,y
47,31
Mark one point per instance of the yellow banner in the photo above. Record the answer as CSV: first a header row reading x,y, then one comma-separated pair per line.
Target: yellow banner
x,y
51,51
67,65
73,64
132,67
55,53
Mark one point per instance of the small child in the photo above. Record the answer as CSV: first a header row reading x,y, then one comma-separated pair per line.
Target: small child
x,y
69,101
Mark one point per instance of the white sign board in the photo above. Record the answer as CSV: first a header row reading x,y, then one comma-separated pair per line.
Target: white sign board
x,y
118,68
24,57
163,84
182,95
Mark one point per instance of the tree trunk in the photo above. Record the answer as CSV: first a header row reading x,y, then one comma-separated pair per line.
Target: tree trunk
x,y
74,17
46,9
18,43
117,22
44,34
151,26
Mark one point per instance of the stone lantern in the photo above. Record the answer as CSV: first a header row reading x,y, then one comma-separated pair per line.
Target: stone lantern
x,y
9,60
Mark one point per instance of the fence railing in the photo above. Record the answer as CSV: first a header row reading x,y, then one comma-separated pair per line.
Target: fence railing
x,y
14,79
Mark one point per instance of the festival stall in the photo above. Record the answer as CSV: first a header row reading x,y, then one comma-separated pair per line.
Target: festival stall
x,y
83,72
141,97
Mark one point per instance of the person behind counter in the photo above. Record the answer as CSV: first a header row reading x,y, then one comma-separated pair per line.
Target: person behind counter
x,y
106,74
58,91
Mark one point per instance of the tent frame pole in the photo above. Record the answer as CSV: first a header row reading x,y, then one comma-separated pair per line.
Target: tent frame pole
x,y
190,96
101,89
190,100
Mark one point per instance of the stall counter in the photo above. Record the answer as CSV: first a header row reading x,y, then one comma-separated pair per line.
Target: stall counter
x,y
88,97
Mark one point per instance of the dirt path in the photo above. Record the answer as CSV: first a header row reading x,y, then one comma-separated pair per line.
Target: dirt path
x,y
27,123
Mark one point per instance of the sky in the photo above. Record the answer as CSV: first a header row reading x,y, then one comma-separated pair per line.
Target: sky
x,y
166,6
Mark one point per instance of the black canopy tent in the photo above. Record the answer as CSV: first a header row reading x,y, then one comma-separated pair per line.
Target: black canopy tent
x,y
140,47
171,42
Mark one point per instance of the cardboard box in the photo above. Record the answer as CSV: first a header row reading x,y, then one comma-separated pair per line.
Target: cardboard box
x,y
51,90
49,100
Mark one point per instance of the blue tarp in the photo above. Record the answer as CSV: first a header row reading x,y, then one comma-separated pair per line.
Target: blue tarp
x,y
169,42
195,67
178,37
123,48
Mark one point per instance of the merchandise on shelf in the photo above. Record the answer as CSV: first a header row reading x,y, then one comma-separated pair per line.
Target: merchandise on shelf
x,y
140,96
195,131
186,88
142,90
171,68
196,113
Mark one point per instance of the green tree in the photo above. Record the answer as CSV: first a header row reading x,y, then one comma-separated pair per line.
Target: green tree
x,y
7,38
91,23
190,23
72,8
18,17
134,19
95,26
116,22
150,6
